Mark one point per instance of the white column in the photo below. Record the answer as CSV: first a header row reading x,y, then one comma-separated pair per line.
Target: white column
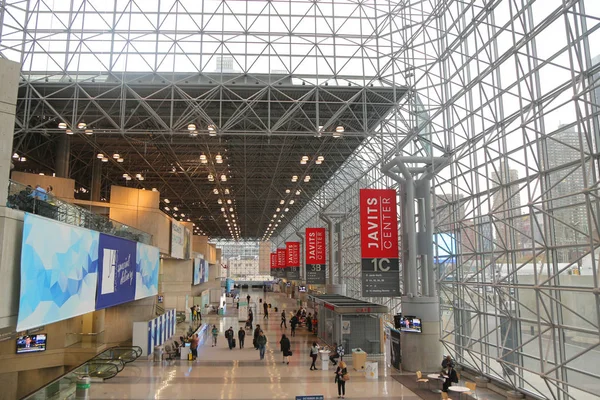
x,y
9,76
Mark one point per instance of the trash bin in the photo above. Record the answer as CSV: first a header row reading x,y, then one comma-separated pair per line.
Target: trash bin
x,y
324,355
371,370
82,388
158,353
359,359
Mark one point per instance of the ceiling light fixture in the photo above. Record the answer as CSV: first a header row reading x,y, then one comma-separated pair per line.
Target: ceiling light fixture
x,y
298,192
191,127
116,155
89,132
287,190
216,191
295,178
62,125
219,159
81,125
292,201
203,159
194,134
104,159
167,201
100,156
211,177
228,201
220,201
339,130
226,191
167,209
120,159
175,208
69,132
223,178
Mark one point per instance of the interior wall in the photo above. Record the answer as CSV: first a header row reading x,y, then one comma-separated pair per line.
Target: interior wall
x,y
63,188
11,233
119,320
31,380
176,282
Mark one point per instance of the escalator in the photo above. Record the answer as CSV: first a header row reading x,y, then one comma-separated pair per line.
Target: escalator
x,y
103,366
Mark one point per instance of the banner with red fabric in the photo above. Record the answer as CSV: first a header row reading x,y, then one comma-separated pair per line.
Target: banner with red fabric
x,y
281,263
292,260
315,256
379,243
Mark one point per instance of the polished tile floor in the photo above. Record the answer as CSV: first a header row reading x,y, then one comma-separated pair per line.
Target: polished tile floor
x,y
220,373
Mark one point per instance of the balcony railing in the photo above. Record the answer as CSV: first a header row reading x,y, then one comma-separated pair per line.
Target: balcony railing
x,y
26,198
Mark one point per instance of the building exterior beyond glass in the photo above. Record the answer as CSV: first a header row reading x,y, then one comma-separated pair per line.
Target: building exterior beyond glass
x,y
511,89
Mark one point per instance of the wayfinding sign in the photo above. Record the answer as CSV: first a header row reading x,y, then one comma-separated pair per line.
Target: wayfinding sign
x,y
379,243
315,256
292,261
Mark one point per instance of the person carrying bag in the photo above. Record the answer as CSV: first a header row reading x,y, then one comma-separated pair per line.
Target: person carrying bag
x,y
341,377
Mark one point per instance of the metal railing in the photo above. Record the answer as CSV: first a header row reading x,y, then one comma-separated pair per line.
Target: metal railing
x,y
26,198
105,365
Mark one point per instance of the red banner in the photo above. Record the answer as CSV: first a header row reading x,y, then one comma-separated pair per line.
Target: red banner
x,y
273,261
315,245
280,258
292,254
378,223
380,264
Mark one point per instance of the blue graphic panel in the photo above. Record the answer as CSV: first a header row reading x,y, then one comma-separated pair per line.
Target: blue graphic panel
x,y
197,271
146,271
116,271
59,265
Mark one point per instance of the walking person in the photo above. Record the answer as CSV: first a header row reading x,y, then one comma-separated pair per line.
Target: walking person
x,y
255,340
283,320
341,376
215,334
285,348
314,353
194,346
250,317
293,323
266,309
309,322
241,337
229,335
248,298
262,343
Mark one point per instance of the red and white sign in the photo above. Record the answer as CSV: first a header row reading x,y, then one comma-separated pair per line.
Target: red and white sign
x,y
378,223
273,260
292,254
315,245
280,258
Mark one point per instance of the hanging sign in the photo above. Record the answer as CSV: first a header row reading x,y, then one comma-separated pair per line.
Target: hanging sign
x,y
292,260
379,243
315,256
281,263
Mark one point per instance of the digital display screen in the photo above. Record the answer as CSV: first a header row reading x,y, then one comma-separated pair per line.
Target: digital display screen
x,y
31,343
411,324
302,289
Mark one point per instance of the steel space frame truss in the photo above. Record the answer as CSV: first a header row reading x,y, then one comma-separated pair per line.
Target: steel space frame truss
x,y
274,79
510,88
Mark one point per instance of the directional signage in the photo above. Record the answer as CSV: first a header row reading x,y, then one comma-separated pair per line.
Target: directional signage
x,y
315,256
292,260
379,243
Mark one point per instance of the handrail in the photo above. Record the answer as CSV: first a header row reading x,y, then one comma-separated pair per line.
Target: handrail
x,y
26,198
69,379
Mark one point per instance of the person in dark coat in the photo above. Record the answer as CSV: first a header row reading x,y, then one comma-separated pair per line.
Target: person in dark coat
x,y
452,377
256,333
293,323
285,348
241,337
266,309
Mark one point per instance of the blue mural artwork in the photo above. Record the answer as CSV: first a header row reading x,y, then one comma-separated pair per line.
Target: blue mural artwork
x,y
116,271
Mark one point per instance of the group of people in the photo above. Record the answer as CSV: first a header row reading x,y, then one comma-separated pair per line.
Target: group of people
x,y
196,314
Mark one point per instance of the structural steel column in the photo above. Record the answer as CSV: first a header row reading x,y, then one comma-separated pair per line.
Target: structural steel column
x,y
302,236
96,180
329,218
63,156
9,76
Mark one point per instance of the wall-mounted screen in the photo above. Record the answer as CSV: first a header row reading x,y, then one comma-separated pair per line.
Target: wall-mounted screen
x,y
302,289
411,324
31,343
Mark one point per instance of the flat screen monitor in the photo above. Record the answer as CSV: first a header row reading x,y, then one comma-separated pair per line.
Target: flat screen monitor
x,y
411,324
31,343
302,289
188,344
